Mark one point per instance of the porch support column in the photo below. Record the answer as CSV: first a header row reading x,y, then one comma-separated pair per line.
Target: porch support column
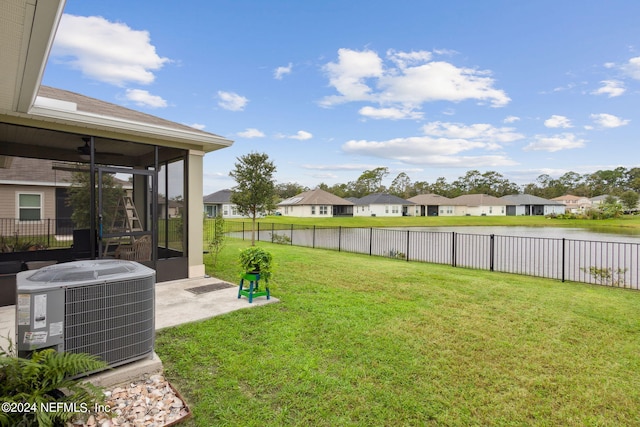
x,y
193,221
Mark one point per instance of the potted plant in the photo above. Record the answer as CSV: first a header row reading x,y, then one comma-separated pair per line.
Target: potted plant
x,y
256,264
256,260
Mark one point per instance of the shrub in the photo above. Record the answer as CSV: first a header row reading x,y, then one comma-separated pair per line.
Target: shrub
x,y
255,258
33,384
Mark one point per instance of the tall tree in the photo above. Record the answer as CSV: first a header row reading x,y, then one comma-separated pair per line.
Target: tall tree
x,y
255,189
289,189
371,181
629,200
401,186
79,198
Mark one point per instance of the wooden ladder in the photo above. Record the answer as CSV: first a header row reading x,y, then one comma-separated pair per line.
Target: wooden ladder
x,y
125,220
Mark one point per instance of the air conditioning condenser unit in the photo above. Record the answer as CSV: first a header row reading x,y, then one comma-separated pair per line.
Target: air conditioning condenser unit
x,y
102,307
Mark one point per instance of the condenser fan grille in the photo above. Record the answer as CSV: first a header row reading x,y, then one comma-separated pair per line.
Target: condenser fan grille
x,y
114,320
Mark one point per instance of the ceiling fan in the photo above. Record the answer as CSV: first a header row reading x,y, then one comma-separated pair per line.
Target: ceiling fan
x,y
85,149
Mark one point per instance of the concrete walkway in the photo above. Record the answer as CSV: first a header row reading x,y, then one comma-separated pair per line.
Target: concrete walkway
x,y
174,306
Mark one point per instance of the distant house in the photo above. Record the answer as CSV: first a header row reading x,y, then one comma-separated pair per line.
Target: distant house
x,y
32,190
173,209
574,204
478,205
315,203
381,204
527,204
431,205
600,200
35,190
220,203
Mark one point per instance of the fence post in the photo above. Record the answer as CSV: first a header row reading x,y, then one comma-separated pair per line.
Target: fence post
x,y
408,237
258,231
453,248
339,238
370,241
48,232
563,257
272,226
313,239
491,251
291,235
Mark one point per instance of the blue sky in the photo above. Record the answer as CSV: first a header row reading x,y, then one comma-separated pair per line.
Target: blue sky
x,y
329,89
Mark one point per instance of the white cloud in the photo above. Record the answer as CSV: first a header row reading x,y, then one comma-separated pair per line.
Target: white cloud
x,y
389,113
442,145
341,167
404,59
511,119
251,133
282,71
632,68
564,141
232,101
106,51
144,98
605,120
556,121
198,126
301,135
408,80
348,75
612,88
479,132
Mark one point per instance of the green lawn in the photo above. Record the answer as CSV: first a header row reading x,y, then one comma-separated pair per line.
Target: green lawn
x,y
628,221
366,341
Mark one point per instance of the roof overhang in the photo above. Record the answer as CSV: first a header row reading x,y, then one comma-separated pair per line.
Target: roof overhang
x,y
52,127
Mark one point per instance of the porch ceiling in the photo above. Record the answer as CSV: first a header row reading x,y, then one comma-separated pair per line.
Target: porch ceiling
x,y
23,141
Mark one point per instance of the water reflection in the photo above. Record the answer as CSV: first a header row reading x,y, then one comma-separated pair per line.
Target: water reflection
x,y
604,234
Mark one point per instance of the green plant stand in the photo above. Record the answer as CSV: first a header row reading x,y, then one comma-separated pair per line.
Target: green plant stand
x,y
254,289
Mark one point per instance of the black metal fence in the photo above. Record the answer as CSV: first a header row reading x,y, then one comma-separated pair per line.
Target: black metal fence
x,y
597,262
20,236
17,236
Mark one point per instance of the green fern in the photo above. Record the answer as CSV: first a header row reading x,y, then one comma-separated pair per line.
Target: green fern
x,y
47,377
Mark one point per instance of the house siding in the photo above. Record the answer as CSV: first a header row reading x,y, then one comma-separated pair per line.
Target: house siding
x,y
9,196
481,210
306,211
378,210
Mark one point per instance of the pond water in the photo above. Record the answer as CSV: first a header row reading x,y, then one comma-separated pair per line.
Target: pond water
x,y
627,235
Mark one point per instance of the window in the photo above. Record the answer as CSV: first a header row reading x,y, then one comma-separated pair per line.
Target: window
x,y
313,210
323,210
394,209
30,206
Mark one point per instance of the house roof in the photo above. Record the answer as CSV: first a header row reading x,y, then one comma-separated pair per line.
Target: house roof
x,y
602,197
93,106
42,172
222,196
477,200
382,199
21,170
429,199
568,197
50,123
315,197
528,199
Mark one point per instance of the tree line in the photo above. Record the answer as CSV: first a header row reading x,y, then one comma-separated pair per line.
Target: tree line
x,y
619,182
